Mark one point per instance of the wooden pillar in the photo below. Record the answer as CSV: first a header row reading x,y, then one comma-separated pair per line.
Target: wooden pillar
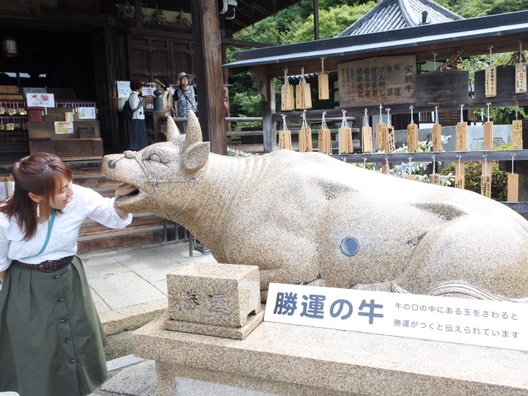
x,y
208,61
139,14
267,93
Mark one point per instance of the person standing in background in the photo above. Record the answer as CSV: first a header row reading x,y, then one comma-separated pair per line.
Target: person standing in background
x,y
138,127
184,97
163,102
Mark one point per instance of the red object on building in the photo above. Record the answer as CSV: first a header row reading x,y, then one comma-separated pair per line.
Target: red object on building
x,y
34,114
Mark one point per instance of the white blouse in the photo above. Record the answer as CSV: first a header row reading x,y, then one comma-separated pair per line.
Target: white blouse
x,y
134,100
85,203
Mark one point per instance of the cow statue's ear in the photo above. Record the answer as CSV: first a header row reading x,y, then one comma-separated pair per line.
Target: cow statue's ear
x,y
172,130
195,156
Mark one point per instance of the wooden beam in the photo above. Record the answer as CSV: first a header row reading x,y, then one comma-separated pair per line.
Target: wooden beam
x,y
267,92
244,43
208,61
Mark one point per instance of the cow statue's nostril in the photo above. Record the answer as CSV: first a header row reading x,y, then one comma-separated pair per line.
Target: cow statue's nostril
x,y
112,164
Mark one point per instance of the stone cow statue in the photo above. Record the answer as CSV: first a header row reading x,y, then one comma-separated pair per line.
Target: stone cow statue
x,y
309,218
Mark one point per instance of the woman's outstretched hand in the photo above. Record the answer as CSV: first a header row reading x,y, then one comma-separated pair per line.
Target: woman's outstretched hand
x,y
124,189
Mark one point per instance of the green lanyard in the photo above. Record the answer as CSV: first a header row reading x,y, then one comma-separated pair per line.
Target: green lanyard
x,y
50,227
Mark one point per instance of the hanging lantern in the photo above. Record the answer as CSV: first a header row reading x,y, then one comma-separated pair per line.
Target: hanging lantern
x,y
9,47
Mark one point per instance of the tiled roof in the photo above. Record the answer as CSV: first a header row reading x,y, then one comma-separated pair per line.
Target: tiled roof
x,y
399,14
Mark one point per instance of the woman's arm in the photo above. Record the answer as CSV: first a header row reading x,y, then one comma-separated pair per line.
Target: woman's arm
x,y
5,262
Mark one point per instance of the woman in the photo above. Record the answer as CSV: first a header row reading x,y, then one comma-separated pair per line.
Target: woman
x,y
51,341
138,128
184,96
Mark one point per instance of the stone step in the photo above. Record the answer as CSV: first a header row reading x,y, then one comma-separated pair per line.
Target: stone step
x,y
95,181
91,227
146,228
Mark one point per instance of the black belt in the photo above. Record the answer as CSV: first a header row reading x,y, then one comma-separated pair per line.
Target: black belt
x,y
46,266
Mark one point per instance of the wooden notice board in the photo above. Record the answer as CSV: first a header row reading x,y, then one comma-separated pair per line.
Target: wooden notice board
x,y
385,80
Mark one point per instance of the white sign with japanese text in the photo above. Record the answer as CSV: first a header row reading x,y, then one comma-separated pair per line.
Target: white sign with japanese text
x,y
40,100
86,113
460,320
123,89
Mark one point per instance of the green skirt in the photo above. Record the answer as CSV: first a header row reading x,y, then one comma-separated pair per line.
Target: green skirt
x,y
51,340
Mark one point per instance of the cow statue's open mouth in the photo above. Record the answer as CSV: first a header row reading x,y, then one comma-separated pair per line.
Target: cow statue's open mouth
x,y
134,196
151,176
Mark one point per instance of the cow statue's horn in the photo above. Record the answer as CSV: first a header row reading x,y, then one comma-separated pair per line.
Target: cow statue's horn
x,y
194,131
172,130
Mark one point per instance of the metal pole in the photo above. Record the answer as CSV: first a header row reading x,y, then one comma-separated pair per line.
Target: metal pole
x,y
316,19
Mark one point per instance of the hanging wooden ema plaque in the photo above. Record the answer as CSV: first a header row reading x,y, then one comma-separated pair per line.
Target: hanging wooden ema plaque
x,y
412,134
488,131
389,136
303,99
323,83
324,141
490,78
385,167
520,73
305,136
460,173
287,97
517,138
284,136
513,184
366,134
461,132
381,131
437,133
344,135
434,178
485,179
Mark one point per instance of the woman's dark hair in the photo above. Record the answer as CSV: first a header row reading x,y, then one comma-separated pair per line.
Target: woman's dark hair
x,y
40,174
135,84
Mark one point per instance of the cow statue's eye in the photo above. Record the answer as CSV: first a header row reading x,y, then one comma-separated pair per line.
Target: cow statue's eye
x,y
154,157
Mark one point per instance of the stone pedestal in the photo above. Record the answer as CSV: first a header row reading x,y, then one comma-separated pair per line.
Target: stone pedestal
x,y
283,359
221,300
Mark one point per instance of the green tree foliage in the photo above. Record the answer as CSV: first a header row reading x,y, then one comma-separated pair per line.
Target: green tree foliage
x,y
291,25
332,21
476,8
295,24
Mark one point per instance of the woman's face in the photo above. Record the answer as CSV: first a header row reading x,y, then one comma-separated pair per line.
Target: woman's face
x,y
63,195
184,80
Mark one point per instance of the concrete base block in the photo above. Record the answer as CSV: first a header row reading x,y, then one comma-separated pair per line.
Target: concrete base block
x,y
295,360
212,297
237,333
